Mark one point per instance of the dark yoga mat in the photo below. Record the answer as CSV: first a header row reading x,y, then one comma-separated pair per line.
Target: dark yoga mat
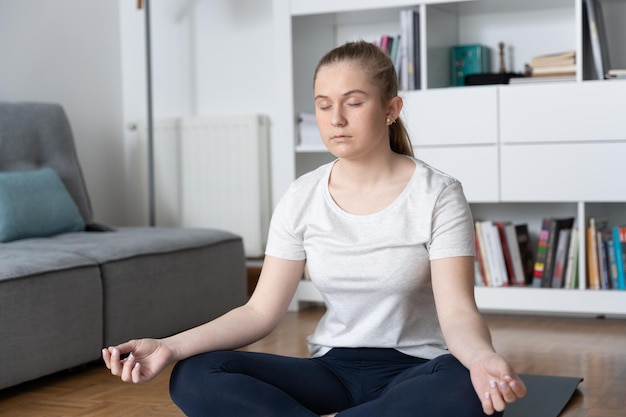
x,y
546,396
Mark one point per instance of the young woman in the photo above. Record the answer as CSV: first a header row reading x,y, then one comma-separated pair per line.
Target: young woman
x,y
388,240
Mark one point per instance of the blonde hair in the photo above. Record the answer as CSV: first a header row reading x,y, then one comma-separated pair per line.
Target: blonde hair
x,y
379,67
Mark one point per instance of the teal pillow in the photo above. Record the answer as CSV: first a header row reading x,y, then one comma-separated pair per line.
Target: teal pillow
x,y
36,204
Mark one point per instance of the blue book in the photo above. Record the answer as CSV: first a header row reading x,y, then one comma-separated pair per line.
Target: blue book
x,y
612,264
619,259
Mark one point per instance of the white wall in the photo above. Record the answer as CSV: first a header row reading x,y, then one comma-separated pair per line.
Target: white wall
x,y
210,57
67,51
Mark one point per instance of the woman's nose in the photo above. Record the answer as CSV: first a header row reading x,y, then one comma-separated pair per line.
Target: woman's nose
x,y
338,118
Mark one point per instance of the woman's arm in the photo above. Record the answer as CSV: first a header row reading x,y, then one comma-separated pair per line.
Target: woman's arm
x,y
237,328
467,335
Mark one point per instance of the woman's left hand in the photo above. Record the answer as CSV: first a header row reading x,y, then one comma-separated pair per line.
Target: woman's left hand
x,y
495,382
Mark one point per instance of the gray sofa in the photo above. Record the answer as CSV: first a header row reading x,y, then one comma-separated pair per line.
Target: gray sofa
x,y
65,293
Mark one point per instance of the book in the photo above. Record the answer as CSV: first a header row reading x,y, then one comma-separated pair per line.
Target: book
x,y
555,59
493,257
553,78
482,251
571,268
410,73
417,67
386,42
555,71
595,30
518,276
506,251
540,259
526,251
593,265
612,263
393,53
398,58
404,50
603,260
555,227
616,74
560,258
501,276
479,271
619,245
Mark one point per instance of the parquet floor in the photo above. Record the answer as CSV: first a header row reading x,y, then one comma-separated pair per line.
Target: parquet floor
x,y
594,349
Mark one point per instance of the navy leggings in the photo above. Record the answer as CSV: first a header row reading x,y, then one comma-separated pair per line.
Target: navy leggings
x,y
361,382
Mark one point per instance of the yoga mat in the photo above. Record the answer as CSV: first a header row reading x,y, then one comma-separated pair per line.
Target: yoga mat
x,y
546,396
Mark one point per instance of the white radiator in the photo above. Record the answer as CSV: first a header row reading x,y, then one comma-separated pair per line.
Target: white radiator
x,y
214,172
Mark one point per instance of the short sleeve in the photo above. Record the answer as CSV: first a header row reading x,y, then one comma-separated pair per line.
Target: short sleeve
x,y
452,225
283,241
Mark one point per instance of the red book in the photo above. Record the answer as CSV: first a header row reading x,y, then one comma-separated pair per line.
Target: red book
x,y
506,251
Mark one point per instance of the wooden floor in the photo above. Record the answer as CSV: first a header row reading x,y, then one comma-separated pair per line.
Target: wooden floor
x,y
594,349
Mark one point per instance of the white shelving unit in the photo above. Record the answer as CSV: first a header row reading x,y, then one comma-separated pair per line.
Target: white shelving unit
x,y
522,152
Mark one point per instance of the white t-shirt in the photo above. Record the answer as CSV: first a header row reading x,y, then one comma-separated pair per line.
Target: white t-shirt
x,y
373,270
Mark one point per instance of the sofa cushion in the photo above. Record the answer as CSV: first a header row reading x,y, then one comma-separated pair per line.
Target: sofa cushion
x,y
35,204
127,242
20,263
51,313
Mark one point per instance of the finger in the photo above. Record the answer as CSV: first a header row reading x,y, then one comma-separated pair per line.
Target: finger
x,y
505,390
487,404
106,356
116,365
127,368
496,397
136,373
517,386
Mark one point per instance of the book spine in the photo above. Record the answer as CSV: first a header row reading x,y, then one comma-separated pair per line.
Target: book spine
x,y
404,49
506,251
410,50
417,67
595,26
603,262
560,258
593,266
571,269
526,252
546,278
541,253
480,279
516,257
498,255
620,256
484,256
612,263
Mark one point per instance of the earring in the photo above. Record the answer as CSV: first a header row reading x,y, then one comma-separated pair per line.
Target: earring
x,y
389,120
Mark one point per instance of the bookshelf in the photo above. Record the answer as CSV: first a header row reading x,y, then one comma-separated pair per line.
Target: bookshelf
x,y
522,152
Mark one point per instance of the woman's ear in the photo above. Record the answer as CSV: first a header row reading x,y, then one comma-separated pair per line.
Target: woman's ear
x,y
395,107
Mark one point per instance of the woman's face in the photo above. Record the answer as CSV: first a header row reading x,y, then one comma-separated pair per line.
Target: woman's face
x,y
349,111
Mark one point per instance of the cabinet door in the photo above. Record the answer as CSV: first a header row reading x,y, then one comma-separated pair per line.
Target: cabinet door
x,y
475,166
564,172
454,116
563,112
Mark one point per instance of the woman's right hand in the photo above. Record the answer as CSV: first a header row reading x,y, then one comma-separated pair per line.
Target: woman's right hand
x,y
146,359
